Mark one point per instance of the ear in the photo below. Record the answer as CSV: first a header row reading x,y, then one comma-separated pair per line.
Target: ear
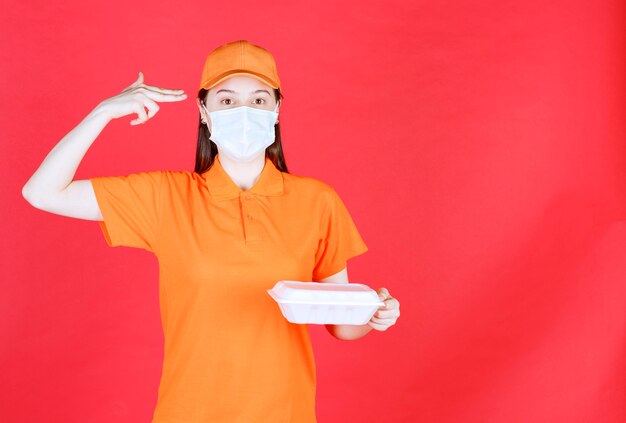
x,y
202,111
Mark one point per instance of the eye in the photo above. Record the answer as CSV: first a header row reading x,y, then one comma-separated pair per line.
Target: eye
x,y
262,99
225,100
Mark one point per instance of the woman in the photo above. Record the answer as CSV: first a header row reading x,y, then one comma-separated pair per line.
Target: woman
x,y
223,235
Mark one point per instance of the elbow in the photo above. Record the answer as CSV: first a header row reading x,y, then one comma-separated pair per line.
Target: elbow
x,y
30,197
26,194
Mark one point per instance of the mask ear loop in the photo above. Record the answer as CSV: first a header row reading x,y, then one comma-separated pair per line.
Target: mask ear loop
x,y
276,107
207,112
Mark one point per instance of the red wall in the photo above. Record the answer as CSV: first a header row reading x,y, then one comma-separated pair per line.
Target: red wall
x,y
479,147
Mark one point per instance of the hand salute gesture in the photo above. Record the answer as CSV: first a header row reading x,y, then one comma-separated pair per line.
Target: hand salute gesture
x,y
136,98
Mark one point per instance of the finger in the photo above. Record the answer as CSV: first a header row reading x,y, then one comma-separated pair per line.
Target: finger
x,y
152,88
152,107
383,293
164,90
382,307
393,304
382,321
376,326
390,309
159,96
141,114
137,82
156,89
387,314
390,304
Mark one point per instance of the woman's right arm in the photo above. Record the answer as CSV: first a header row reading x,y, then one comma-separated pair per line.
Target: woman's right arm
x,y
51,187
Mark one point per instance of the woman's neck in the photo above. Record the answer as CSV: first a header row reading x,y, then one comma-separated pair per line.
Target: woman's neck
x,y
244,175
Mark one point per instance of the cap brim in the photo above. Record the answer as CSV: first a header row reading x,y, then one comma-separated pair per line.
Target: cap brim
x,y
233,73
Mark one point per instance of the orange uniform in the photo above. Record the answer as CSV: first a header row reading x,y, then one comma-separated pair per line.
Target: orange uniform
x,y
229,354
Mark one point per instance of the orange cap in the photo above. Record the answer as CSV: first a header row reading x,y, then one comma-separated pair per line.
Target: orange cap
x,y
236,58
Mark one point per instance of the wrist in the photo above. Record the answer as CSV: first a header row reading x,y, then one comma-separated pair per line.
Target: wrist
x,y
100,113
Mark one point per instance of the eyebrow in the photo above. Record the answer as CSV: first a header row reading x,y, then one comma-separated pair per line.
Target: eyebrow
x,y
235,92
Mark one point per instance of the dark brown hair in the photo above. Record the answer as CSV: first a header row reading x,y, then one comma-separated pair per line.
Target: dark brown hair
x,y
207,150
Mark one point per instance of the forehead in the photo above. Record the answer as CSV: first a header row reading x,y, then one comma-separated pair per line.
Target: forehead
x,y
241,85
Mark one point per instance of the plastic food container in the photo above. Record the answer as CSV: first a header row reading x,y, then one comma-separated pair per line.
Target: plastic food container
x,y
321,303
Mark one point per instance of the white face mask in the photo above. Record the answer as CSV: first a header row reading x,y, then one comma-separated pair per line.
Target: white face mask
x,y
243,132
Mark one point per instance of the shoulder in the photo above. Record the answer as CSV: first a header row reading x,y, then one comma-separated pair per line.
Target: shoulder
x,y
309,190
307,184
181,177
179,183
179,174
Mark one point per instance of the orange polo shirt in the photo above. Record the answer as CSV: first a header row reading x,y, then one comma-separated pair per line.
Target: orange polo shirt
x,y
229,354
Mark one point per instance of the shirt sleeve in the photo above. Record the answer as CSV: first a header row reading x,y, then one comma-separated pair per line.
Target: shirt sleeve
x,y
339,239
131,208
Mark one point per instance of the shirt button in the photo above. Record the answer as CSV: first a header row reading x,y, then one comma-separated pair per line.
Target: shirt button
x,y
248,197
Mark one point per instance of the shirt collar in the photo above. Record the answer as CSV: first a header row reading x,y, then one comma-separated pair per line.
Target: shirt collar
x,y
222,187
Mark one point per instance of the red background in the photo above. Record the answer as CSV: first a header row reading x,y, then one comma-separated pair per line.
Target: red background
x,y
479,147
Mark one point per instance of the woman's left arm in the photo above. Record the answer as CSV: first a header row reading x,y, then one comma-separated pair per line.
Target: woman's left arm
x,y
385,317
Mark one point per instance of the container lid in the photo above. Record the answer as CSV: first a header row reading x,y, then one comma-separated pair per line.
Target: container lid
x,y
324,293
